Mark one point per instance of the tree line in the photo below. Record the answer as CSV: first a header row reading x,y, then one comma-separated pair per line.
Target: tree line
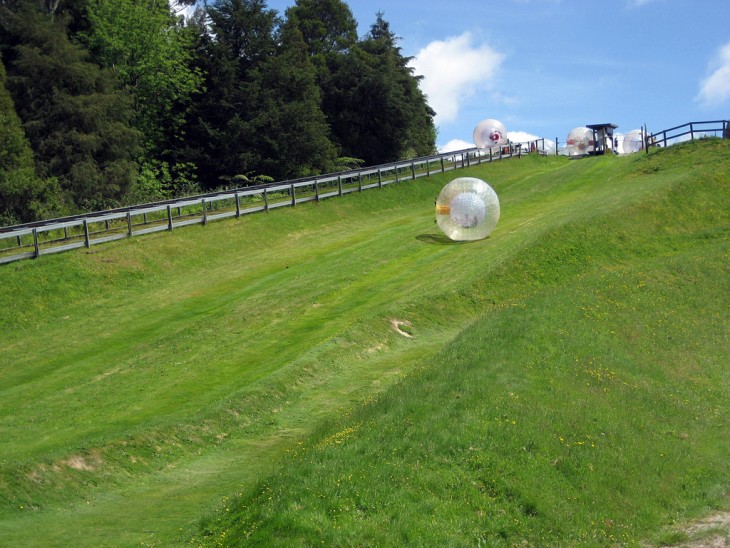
x,y
112,102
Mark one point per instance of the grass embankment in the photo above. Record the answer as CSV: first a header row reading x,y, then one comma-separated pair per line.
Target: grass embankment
x,y
566,380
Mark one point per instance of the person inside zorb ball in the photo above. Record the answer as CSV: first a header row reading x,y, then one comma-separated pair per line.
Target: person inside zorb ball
x,y
467,209
490,133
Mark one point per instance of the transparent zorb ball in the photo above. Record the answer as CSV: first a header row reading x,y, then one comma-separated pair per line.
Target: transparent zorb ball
x,y
490,133
467,209
580,141
633,141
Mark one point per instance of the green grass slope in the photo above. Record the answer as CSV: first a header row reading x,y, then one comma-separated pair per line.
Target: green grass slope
x,y
566,379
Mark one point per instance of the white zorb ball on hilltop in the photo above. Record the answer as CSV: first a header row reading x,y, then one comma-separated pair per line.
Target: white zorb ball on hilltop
x,y
580,141
633,141
490,133
467,209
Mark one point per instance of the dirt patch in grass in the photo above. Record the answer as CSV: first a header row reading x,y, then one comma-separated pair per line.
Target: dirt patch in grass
x,y
402,327
710,532
87,463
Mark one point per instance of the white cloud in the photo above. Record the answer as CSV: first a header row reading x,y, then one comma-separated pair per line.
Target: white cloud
x,y
454,145
454,70
521,136
715,89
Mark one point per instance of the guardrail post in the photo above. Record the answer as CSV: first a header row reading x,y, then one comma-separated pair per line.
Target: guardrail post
x,y
293,195
87,241
691,132
238,205
396,174
339,185
380,178
129,223
443,167
413,170
169,217
35,244
359,182
316,191
205,211
266,200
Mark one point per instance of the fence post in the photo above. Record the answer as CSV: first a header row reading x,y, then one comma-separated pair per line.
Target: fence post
x,y
238,205
380,178
169,217
359,182
87,241
266,200
443,168
691,132
205,211
556,146
293,195
35,244
339,185
396,174
316,191
413,170
129,223
428,168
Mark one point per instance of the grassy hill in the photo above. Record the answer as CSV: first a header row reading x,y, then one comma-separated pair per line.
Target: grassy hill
x,y
564,381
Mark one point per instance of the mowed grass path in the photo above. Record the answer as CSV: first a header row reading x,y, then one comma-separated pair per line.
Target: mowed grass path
x,y
146,380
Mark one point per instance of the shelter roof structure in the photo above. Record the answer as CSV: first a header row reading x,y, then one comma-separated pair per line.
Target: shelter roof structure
x,y
602,137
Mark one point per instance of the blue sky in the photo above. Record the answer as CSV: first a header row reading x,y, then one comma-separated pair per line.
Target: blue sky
x,y
543,67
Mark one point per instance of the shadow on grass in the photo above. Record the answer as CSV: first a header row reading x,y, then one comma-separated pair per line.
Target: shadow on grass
x,y
440,239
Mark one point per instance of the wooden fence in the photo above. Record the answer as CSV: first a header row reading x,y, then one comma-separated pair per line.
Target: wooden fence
x,y
695,130
31,240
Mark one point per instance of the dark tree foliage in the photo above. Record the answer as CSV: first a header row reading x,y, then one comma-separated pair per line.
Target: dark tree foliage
x,y
373,102
107,101
294,132
76,121
419,135
221,135
23,196
327,26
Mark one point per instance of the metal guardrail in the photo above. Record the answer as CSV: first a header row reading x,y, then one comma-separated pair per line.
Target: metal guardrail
x,y
31,240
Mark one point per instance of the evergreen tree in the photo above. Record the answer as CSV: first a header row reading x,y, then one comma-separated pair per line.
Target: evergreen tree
x,y
376,109
75,119
327,26
418,132
221,136
294,132
23,196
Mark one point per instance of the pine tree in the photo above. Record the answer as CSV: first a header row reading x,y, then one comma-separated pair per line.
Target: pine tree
x,y
234,41
294,130
375,107
76,121
23,196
